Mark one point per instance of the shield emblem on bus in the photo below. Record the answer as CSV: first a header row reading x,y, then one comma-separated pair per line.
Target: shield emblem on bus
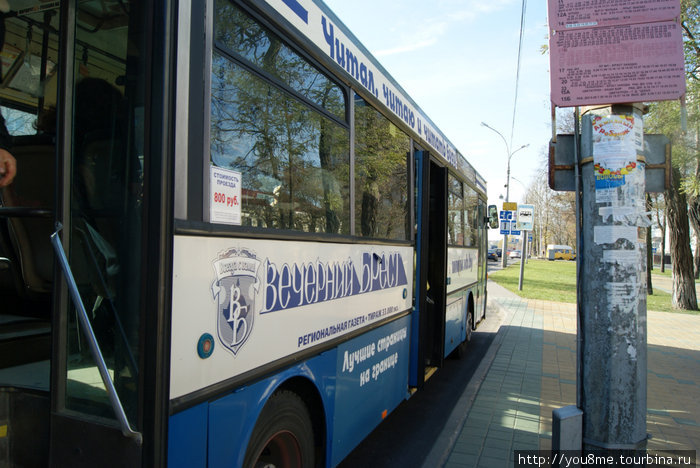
x,y
235,289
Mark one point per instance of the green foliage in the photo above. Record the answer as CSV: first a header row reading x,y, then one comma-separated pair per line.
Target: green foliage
x,y
294,160
381,190
543,279
665,117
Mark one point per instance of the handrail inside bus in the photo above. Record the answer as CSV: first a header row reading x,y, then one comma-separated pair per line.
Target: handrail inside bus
x,y
24,212
92,340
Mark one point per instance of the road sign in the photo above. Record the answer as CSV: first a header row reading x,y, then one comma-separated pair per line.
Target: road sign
x,y
508,222
505,227
526,216
510,206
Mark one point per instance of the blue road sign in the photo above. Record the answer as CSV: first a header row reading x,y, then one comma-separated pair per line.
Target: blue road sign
x,y
508,223
505,227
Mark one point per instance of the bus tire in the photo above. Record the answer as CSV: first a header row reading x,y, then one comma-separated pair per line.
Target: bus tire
x,y
283,436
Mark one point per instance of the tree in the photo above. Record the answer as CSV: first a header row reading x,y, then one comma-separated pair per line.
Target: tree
x,y
683,199
293,159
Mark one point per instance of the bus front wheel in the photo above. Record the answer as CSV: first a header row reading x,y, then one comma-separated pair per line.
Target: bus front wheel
x,y
283,435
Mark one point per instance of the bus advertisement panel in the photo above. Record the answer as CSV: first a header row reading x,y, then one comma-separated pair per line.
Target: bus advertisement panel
x,y
232,296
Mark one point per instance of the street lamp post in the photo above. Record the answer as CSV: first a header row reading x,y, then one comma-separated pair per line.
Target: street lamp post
x,y
504,251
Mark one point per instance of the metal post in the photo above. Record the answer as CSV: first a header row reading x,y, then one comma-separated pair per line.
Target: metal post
x,y
612,293
504,251
523,256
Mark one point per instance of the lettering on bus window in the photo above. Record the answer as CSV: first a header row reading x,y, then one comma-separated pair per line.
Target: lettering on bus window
x,y
381,175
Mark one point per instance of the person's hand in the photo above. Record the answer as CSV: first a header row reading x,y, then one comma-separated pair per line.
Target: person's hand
x,y
8,168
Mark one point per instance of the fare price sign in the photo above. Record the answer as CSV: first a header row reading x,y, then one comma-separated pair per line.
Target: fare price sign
x,y
224,196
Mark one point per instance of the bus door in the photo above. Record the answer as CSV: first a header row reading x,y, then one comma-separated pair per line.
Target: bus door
x,y
431,262
95,108
483,239
98,323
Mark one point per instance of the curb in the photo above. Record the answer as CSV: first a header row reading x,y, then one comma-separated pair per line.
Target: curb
x,y
442,449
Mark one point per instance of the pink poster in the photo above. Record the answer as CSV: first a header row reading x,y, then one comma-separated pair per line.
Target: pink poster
x,y
569,14
618,64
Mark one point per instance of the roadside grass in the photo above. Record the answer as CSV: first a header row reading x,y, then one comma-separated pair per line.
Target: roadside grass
x,y
556,281
657,271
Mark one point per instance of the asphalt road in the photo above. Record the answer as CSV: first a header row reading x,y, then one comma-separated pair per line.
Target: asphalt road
x,y
406,437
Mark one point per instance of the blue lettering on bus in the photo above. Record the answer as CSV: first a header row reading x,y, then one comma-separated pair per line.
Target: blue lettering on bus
x,y
348,58
345,56
351,62
399,107
299,10
462,264
295,285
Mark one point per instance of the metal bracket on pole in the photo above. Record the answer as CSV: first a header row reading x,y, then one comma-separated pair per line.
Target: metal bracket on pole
x,y
656,157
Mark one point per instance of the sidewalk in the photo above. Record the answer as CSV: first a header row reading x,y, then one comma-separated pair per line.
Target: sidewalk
x,y
530,368
665,283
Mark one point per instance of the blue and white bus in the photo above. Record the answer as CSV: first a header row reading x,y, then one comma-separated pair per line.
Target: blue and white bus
x,y
232,240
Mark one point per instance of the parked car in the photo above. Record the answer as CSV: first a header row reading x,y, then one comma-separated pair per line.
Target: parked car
x,y
492,255
499,252
514,254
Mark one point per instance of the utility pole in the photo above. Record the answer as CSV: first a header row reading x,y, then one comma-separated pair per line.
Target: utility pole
x,y
613,304
504,251
609,164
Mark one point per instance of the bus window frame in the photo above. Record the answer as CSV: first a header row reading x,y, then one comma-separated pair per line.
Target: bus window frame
x,y
192,169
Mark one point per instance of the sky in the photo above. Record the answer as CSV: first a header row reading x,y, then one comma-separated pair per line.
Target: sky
x,y
458,60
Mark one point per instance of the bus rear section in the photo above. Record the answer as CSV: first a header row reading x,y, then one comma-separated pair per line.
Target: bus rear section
x,y
232,238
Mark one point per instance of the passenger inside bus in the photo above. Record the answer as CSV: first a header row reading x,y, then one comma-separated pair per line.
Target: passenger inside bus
x,y
8,164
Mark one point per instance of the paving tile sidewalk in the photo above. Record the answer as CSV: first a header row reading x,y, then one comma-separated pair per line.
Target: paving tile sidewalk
x,y
531,371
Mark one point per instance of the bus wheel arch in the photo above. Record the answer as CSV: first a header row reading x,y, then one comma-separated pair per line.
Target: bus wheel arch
x,y
290,428
469,325
461,350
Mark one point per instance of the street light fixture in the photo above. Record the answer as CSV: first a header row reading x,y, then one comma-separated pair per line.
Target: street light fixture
x,y
510,155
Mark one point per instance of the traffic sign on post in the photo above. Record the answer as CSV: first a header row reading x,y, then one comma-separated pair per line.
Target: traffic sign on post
x,y
508,223
526,216
514,231
505,227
